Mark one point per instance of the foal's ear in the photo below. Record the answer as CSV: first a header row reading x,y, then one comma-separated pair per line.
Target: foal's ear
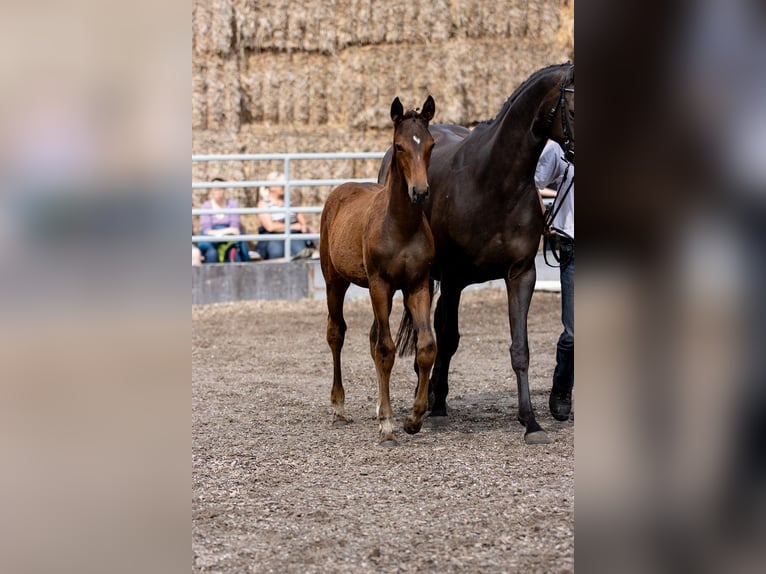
x,y
429,109
397,111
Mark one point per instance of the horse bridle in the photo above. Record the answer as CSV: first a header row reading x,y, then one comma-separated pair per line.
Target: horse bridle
x,y
561,103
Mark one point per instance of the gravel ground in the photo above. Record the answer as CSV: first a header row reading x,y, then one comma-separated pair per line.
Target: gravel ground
x,y
277,489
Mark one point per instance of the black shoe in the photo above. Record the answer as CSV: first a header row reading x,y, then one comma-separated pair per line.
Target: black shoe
x,y
560,404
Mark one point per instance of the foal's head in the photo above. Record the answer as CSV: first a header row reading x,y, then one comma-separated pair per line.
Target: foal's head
x,y
412,146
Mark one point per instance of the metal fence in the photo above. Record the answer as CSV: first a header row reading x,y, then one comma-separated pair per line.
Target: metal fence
x,y
288,209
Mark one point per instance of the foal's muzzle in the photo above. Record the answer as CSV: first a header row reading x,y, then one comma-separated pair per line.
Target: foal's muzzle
x,y
419,195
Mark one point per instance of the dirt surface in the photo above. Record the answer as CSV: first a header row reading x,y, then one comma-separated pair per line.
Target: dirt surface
x,y
277,489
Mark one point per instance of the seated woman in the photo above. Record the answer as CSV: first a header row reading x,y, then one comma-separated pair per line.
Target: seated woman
x,y
274,196
220,225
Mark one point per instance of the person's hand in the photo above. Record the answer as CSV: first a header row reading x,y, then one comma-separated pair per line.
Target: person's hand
x,y
224,231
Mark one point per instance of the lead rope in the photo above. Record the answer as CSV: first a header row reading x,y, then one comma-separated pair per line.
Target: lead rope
x,y
550,215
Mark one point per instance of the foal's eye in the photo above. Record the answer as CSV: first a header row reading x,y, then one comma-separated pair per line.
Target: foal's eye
x,y
399,148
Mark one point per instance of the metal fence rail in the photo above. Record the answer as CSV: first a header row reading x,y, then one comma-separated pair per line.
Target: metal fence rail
x,y
288,184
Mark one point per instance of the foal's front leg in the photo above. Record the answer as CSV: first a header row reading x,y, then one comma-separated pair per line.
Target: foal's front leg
x,y
383,354
419,305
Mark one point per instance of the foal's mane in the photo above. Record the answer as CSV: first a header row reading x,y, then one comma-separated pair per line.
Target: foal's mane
x,y
412,114
523,86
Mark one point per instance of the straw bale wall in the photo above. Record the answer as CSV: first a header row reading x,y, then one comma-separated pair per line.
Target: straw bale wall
x,y
286,76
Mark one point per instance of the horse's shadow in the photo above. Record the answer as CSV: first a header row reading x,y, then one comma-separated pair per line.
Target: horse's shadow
x,y
487,411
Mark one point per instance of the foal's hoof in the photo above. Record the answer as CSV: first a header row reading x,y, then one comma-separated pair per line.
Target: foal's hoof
x,y
537,437
411,426
341,421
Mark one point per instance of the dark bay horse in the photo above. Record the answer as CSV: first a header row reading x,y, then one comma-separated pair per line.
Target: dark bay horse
x,y
377,236
486,219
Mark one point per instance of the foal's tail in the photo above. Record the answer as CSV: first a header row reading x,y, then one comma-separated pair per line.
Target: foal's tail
x,y
406,340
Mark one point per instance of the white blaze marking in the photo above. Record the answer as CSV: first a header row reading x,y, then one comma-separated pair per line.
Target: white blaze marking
x,y
416,139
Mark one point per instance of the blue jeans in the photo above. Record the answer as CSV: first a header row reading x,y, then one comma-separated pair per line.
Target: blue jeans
x,y
276,249
563,375
210,249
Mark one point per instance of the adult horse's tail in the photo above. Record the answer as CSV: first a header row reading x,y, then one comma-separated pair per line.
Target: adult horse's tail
x,y
406,341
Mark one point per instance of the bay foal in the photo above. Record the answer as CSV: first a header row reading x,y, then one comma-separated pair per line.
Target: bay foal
x,y
376,236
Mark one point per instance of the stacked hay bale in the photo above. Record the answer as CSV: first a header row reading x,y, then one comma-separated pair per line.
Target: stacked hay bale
x,y
319,76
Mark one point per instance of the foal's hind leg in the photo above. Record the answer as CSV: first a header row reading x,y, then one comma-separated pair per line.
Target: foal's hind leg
x,y
336,333
419,305
383,353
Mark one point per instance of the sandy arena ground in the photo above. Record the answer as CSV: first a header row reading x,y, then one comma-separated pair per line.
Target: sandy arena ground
x,y
277,489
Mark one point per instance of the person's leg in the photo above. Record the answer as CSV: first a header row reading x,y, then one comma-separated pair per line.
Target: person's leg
x,y
560,401
210,251
297,246
244,254
275,249
262,249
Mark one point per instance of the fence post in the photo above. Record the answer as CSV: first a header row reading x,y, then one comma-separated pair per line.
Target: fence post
x,y
288,214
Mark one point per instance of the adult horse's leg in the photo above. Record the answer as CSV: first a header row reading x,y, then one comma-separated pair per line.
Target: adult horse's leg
x,y
520,289
383,353
419,305
447,339
336,334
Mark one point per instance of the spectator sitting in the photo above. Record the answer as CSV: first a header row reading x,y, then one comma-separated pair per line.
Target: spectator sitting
x,y
271,197
221,225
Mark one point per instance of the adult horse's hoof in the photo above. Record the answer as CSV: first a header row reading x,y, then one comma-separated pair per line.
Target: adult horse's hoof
x,y
436,422
537,437
388,443
340,421
412,427
438,411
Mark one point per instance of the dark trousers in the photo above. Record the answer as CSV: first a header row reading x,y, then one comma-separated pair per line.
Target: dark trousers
x,y
563,375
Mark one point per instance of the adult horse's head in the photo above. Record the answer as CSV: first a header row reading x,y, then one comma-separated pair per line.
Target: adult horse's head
x,y
412,146
561,117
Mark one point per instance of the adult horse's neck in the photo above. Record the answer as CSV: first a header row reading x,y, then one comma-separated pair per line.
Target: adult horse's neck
x,y
516,138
